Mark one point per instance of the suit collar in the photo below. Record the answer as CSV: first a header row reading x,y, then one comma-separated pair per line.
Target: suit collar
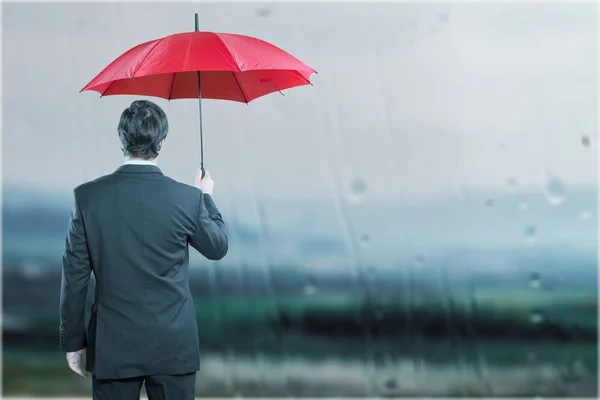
x,y
139,169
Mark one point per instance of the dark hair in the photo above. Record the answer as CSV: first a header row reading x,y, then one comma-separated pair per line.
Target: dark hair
x,y
142,127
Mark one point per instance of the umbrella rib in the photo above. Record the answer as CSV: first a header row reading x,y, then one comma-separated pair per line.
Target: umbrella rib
x,y
239,86
146,56
172,84
302,76
106,90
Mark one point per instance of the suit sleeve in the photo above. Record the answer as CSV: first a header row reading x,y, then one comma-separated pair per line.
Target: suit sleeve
x,y
76,271
210,237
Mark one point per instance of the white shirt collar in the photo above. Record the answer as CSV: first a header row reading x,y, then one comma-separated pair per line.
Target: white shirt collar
x,y
139,162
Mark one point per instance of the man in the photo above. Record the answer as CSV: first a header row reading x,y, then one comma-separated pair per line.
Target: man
x,y
131,229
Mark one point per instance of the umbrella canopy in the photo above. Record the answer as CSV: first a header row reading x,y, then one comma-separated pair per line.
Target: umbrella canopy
x,y
201,65
232,67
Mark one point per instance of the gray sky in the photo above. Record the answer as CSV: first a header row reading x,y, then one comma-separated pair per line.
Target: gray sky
x,y
416,99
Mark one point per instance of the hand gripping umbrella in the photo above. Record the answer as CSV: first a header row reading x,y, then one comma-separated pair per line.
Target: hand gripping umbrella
x,y
202,64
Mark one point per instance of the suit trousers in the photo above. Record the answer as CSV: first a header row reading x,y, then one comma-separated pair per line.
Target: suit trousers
x,y
158,387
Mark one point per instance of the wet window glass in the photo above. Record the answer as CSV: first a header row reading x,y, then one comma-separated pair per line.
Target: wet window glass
x,y
421,221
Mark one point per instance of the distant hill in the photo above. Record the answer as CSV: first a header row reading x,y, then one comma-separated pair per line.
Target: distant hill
x,y
490,232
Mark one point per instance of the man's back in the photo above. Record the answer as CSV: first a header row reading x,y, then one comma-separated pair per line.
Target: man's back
x,y
137,224
131,229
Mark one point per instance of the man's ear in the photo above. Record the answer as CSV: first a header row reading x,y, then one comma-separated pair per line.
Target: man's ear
x,y
160,145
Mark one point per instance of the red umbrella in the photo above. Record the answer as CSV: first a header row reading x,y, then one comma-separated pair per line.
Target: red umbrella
x,y
206,65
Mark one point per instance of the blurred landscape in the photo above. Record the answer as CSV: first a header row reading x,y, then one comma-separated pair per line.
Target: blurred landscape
x,y
440,323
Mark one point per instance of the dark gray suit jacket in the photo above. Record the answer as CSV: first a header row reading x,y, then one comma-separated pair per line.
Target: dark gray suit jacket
x,y
131,229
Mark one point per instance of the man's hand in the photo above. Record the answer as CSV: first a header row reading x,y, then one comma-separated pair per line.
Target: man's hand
x,y
76,362
205,184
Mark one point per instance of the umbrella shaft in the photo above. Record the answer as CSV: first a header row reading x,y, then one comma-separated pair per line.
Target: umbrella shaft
x,y
200,106
200,115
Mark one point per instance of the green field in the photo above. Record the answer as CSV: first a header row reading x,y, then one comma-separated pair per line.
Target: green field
x,y
482,340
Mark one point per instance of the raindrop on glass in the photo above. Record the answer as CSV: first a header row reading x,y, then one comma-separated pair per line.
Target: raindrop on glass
x,y
444,16
536,317
420,260
585,141
512,183
263,12
555,191
358,188
531,357
535,281
530,235
391,384
365,239
523,205
311,286
489,203
32,271
579,368
585,215
370,270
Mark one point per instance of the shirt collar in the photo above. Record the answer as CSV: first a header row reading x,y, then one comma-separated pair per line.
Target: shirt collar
x,y
139,162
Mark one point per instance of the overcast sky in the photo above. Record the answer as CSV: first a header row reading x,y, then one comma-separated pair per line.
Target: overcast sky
x,y
416,99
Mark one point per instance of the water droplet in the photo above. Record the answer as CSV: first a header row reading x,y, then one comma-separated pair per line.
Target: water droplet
x,y
579,368
32,270
585,141
365,239
535,281
512,183
489,203
555,191
420,260
444,16
523,205
263,12
530,235
391,384
585,215
531,357
536,317
358,188
311,286
370,270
